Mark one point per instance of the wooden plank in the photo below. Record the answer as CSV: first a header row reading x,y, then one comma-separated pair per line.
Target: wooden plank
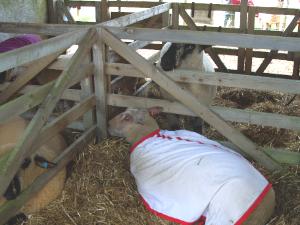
x,y
62,121
136,17
29,53
296,66
35,96
133,4
51,11
104,11
249,51
229,114
66,12
10,164
87,89
190,101
214,7
243,29
237,30
208,38
10,208
101,83
31,71
165,19
276,10
191,24
98,11
69,94
38,28
272,53
61,62
36,51
60,12
175,16
279,155
255,53
216,78
57,29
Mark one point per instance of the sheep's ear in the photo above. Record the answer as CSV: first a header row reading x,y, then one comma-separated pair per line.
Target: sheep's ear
x,y
154,111
13,190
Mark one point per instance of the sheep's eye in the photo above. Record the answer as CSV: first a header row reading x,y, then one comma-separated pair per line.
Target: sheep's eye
x,y
127,118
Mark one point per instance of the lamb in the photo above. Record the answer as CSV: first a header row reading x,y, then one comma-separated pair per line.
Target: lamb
x,y
186,178
184,56
32,167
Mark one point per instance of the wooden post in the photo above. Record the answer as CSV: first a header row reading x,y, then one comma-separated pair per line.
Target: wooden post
x,y
249,51
189,100
101,83
165,19
86,91
243,29
296,67
10,164
98,11
272,53
104,11
175,16
51,11
59,11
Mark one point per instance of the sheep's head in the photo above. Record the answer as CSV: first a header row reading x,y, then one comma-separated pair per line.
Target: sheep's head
x,y
172,54
133,120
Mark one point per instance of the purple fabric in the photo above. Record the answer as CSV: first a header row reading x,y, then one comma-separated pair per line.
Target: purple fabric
x,y
18,42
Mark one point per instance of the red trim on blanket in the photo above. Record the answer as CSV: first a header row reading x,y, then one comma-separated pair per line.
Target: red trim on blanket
x,y
254,205
169,218
143,139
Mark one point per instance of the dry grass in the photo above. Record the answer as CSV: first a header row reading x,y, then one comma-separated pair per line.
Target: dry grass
x,y
101,189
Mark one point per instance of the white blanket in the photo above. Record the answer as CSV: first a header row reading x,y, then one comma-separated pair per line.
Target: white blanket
x,y
182,176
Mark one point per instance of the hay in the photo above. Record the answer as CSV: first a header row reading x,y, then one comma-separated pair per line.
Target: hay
x,y
101,189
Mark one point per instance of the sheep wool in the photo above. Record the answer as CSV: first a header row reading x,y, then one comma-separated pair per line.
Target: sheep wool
x,y
186,178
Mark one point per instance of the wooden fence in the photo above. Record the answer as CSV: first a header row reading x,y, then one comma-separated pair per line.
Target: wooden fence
x,y
94,96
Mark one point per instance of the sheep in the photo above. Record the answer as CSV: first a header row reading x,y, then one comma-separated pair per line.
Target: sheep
x,y
14,43
32,167
186,178
184,56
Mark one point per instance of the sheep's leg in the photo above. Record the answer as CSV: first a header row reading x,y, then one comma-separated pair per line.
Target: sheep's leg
x,y
173,122
195,124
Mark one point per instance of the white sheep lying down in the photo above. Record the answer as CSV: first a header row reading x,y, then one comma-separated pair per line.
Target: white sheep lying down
x,y
32,167
186,178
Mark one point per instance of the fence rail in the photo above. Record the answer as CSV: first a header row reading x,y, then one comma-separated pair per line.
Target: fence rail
x,y
94,73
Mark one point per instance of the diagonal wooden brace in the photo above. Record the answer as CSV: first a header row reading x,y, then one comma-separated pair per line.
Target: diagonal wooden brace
x,y
273,53
189,100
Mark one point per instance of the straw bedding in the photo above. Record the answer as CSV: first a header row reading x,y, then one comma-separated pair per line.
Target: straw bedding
x,y
102,191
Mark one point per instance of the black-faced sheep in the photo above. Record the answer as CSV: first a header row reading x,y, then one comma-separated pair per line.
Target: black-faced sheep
x,y
184,56
31,168
186,178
